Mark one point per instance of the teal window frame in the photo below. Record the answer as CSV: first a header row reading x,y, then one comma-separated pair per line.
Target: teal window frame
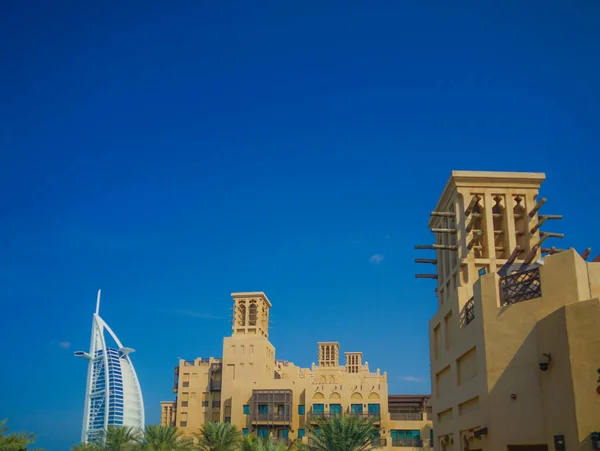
x,y
356,409
246,409
263,432
374,409
318,409
301,409
335,409
245,431
263,409
300,432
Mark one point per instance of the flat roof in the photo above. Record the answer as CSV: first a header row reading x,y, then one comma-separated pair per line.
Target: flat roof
x,y
489,179
251,294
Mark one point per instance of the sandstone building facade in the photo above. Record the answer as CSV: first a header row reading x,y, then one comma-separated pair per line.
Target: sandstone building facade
x,y
263,396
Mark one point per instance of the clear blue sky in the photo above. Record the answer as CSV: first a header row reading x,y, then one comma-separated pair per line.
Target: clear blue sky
x,y
173,152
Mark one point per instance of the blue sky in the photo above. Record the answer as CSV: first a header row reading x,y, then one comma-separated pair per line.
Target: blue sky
x,y
173,152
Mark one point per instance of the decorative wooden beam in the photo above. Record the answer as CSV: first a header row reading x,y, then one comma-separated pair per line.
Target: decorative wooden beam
x,y
597,259
529,257
471,222
552,234
538,225
426,276
585,254
443,214
550,216
511,259
535,209
433,261
443,230
476,235
472,204
441,247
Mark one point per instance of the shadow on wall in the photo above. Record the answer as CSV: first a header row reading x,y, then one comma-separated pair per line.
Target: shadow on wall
x,y
536,398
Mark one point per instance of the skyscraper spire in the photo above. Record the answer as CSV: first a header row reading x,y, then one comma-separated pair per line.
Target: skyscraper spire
x,y
98,303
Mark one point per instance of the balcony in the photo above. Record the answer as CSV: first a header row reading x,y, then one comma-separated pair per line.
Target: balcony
x,y
312,414
468,313
519,287
406,416
271,417
373,415
216,404
380,442
271,407
411,443
215,385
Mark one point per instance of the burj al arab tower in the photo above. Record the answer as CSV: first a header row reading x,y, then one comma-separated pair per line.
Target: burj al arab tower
x,y
113,396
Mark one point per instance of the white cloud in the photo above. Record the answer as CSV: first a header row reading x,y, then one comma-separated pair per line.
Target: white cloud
x,y
411,379
65,344
189,313
376,259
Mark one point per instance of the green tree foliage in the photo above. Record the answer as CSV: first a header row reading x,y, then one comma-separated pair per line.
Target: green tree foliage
x,y
120,438
343,433
15,441
251,443
218,437
164,438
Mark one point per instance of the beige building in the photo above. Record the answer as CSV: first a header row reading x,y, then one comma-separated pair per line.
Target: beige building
x,y
515,343
263,396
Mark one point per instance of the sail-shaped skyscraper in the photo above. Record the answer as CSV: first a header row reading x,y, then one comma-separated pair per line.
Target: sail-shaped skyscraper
x,y
113,396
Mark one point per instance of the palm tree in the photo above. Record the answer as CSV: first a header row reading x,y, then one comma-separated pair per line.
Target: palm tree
x,y
86,447
343,433
218,437
16,441
164,438
252,443
119,438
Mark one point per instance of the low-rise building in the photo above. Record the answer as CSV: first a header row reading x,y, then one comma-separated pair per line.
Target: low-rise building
x,y
264,396
515,343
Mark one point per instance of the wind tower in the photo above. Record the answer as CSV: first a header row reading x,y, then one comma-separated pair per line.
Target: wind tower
x,y
485,222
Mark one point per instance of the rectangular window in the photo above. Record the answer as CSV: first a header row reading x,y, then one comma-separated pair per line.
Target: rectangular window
x,y
318,409
280,409
300,410
374,410
283,433
356,409
300,433
263,432
246,410
335,409
245,432
263,409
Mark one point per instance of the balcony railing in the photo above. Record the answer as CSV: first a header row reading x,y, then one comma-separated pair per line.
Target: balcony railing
x,y
215,385
410,443
311,414
271,417
374,415
216,404
520,287
468,313
380,442
406,416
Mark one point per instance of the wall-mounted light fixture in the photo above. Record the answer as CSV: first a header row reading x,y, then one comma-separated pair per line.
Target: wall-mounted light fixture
x,y
544,362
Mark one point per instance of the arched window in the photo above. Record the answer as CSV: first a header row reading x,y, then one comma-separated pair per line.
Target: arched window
x,y
242,313
252,313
